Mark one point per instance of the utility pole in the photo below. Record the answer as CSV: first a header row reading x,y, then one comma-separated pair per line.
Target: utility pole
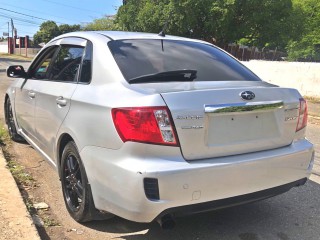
x,y
12,40
12,27
8,33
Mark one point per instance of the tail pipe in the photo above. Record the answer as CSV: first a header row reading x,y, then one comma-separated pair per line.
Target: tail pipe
x,y
166,222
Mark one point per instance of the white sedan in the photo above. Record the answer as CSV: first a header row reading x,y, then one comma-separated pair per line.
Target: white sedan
x,y
150,127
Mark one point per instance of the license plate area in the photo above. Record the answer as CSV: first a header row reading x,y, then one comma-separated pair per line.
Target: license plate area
x,y
240,128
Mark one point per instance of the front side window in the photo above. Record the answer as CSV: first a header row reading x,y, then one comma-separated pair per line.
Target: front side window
x,y
158,60
42,63
66,65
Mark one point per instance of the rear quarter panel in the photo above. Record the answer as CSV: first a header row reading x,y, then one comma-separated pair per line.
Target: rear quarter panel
x,y
90,120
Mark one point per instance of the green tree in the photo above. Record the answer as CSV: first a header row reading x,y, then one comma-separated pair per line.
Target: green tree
x,y
100,25
258,22
48,30
261,22
202,19
65,28
306,45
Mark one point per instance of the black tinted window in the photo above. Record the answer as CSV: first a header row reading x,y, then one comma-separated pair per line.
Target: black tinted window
x,y
42,63
140,57
85,76
65,66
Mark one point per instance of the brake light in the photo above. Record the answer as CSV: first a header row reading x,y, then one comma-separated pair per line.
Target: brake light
x,y
303,115
145,124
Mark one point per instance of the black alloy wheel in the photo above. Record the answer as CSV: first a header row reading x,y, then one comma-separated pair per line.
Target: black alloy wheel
x,y
75,187
73,183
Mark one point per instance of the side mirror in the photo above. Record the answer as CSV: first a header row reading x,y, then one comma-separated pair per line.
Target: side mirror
x,y
16,71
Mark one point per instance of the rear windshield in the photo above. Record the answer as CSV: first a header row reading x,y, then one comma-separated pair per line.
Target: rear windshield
x,y
140,57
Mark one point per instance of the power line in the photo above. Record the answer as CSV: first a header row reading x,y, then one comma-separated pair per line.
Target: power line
x,y
26,24
27,15
20,19
32,10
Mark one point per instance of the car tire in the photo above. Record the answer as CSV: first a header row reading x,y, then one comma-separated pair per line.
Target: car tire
x,y
14,135
76,188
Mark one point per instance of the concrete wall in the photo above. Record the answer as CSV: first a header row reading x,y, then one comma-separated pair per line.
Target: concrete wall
x,y
4,48
303,76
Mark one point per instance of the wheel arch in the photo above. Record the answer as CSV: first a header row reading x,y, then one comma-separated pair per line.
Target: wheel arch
x,y
64,139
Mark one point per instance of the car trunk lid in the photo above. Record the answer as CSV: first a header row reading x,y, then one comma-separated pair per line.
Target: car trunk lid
x,y
218,122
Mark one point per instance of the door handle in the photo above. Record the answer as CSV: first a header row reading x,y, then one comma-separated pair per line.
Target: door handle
x,y
31,94
61,102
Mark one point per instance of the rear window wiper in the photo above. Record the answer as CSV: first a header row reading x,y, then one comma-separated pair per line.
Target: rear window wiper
x,y
184,75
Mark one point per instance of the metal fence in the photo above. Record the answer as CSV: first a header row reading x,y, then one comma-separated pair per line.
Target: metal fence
x,y
245,53
27,52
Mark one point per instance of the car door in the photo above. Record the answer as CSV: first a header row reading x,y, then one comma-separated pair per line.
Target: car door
x,y
53,95
25,91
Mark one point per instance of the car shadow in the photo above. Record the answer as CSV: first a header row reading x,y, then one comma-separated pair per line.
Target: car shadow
x,y
281,217
119,225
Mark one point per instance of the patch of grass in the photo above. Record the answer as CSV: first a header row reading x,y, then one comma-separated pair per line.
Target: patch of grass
x,y
50,222
19,173
17,57
4,136
29,205
312,99
24,180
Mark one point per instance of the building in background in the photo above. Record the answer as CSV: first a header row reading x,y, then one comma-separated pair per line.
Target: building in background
x,y
4,47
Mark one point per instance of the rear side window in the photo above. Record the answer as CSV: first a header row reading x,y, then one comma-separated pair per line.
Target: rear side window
x,y
140,57
86,68
66,64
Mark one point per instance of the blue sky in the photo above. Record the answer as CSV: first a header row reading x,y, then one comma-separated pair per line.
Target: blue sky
x,y
60,11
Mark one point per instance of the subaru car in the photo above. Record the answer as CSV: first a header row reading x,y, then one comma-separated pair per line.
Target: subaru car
x,y
150,127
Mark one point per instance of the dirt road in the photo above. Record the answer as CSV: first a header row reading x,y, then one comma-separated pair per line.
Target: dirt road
x,y
293,215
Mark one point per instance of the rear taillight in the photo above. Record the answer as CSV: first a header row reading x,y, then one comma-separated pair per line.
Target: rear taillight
x,y
145,124
303,115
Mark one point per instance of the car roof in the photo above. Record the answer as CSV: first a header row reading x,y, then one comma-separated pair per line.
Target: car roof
x,y
122,35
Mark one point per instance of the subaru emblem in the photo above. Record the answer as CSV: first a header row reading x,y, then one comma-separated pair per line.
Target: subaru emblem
x,y
247,95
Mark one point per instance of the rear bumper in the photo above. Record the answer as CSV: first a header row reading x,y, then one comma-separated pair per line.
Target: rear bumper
x,y
117,177
233,201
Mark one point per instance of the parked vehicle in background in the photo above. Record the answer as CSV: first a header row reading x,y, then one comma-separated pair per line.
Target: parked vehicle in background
x,y
151,127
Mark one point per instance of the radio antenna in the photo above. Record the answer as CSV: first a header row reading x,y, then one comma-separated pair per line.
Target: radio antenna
x,y
162,33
